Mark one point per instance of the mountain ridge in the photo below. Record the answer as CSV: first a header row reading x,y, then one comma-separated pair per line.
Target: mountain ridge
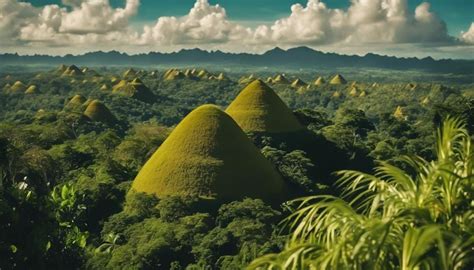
x,y
299,57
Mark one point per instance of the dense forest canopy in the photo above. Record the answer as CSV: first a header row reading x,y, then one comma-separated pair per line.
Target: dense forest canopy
x,y
384,162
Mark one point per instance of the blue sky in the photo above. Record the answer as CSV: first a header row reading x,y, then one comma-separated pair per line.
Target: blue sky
x,y
458,14
437,28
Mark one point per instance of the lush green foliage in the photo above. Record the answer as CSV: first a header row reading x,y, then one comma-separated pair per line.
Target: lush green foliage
x,y
420,218
64,179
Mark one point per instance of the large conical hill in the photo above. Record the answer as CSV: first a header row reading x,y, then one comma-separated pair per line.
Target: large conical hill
x,y
259,109
208,155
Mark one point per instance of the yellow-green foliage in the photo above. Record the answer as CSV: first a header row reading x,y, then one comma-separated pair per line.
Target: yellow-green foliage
x,y
98,112
336,94
32,89
319,81
298,83
303,89
72,71
104,87
17,87
259,109
338,79
425,101
281,79
208,155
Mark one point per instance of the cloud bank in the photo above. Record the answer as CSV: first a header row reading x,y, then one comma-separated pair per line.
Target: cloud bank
x,y
95,24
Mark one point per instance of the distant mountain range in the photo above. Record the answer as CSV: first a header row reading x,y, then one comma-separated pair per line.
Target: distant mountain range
x,y
300,57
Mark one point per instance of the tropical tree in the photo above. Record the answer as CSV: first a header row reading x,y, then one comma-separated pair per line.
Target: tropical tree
x,y
418,218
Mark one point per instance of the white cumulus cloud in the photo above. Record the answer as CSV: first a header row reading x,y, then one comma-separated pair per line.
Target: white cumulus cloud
x,y
205,24
365,21
468,37
87,21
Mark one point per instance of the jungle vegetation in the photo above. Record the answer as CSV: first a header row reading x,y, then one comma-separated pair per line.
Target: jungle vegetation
x,y
376,174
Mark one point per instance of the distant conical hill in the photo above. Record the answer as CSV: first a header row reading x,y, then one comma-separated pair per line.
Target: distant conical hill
x,y
32,89
189,74
175,75
319,81
129,73
208,155
298,83
168,72
203,74
17,87
354,91
338,79
98,112
222,77
72,70
90,72
134,89
259,109
60,70
136,81
247,80
400,113
281,79
76,102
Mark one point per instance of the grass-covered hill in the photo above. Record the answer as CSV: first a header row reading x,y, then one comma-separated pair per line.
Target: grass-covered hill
x,y
208,155
259,109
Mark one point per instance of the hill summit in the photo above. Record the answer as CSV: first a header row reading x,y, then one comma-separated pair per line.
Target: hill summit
x,y
259,109
72,70
208,155
338,79
134,89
